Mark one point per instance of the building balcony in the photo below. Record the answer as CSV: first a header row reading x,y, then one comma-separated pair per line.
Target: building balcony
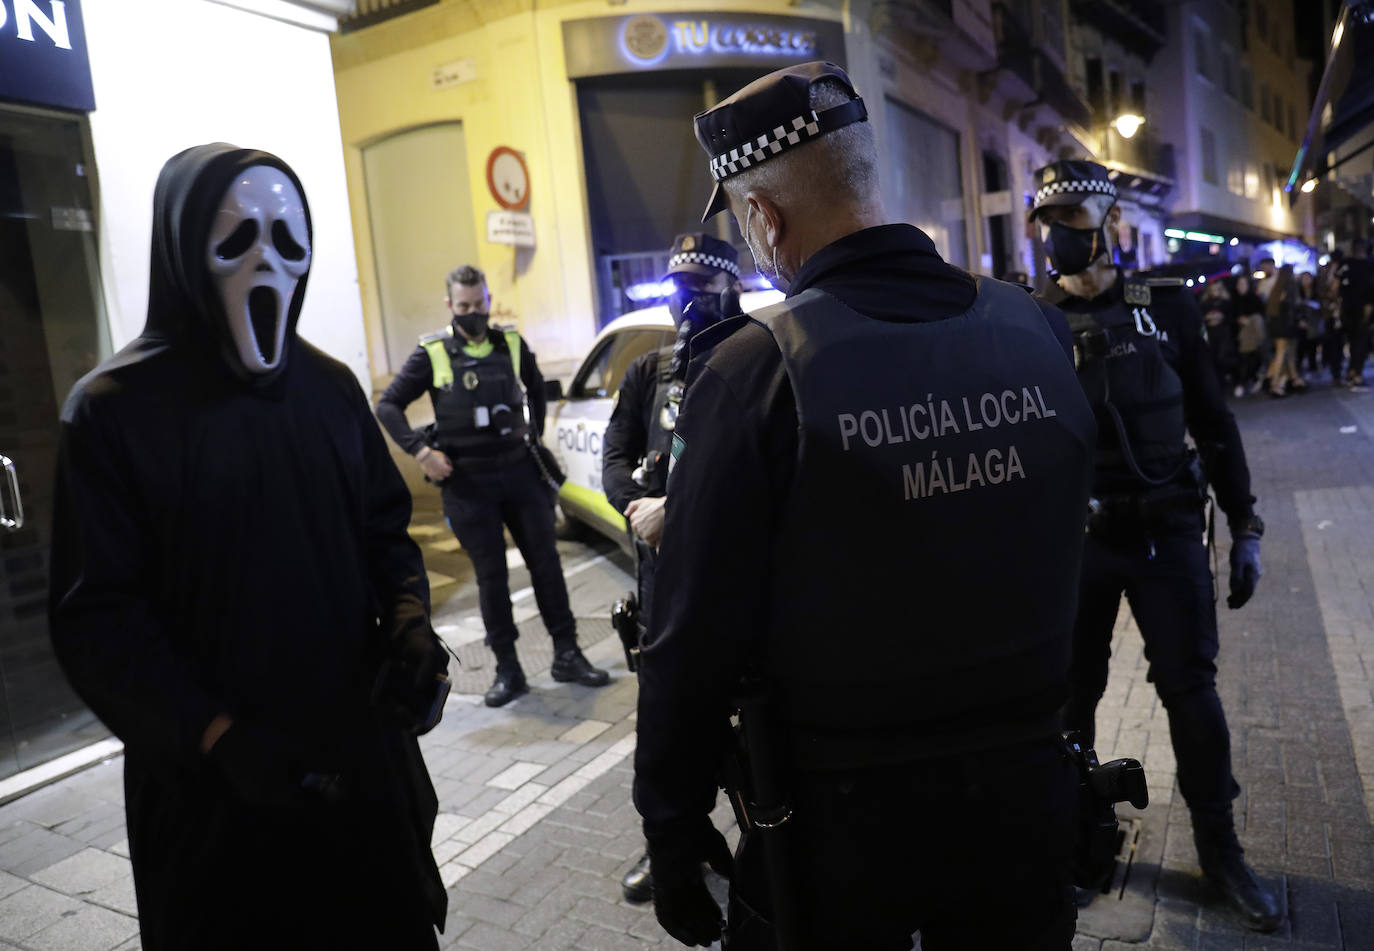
x,y
1027,75
371,12
1142,165
1138,25
952,29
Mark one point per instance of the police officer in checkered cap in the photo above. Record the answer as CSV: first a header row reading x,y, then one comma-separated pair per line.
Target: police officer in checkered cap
x,y
704,274
1146,367
874,514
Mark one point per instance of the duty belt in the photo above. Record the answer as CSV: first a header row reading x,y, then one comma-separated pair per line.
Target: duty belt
x,y
1120,510
489,462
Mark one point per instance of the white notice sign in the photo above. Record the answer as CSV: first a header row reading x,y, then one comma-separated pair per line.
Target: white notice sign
x,y
511,227
453,74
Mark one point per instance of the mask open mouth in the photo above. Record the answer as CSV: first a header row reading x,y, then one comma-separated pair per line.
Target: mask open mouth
x,y
263,315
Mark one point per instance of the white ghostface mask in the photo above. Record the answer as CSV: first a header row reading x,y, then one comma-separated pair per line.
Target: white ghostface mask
x,y
259,250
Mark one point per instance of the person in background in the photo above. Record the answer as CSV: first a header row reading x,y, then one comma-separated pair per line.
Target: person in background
x,y
1281,325
1333,338
1250,336
1220,317
1311,319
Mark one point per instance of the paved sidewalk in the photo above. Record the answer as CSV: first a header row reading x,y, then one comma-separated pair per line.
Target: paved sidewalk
x,y
536,824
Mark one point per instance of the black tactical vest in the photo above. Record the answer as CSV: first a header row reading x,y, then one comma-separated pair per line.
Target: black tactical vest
x,y
928,553
1133,387
481,411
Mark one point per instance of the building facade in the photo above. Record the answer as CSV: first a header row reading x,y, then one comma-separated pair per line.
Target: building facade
x,y
1236,90
94,97
589,108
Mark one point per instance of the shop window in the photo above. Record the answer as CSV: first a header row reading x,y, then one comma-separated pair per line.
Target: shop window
x,y
1138,97
927,187
646,176
1202,52
1209,157
1092,68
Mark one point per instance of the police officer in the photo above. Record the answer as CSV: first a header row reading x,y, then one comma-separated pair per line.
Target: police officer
x,y
482,455
875,515
1145,365
704,271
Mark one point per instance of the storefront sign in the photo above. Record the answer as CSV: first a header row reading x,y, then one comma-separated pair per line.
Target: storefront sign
x,y
43,52
649,41
511,227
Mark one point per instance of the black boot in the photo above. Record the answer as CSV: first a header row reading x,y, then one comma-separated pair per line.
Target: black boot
x,y
510,681
1223,862
638,883
569,666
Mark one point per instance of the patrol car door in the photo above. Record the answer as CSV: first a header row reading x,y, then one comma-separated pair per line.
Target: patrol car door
x,y
581,422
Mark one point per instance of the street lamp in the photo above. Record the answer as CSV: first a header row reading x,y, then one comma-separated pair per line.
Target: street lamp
x,y
1128,124
1309,186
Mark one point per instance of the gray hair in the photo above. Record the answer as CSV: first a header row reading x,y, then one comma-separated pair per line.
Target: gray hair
x,y
838,167
467,275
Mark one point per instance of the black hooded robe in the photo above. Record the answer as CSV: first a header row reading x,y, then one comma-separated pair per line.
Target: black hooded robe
x,y
234,544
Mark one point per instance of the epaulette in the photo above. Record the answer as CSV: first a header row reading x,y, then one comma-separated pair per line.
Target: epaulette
x,y
1166,284
436,336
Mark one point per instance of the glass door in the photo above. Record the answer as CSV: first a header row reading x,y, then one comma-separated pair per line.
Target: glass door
x,y
51,333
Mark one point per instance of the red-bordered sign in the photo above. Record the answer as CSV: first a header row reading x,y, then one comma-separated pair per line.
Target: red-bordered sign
x,y
508,178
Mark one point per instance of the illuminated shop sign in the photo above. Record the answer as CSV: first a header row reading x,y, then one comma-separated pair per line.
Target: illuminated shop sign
x,y
607,45
43,54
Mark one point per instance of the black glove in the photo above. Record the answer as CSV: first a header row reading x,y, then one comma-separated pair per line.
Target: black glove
x,y
1245,568
682,902
260,767
413,680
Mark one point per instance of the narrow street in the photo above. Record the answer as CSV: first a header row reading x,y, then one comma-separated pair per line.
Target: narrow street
x,y
536,824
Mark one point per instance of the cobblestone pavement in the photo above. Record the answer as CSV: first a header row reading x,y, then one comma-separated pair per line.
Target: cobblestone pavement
x,y
536,824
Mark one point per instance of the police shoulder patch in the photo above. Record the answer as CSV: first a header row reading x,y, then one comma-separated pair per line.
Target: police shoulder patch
x,y
1137,294
675,453
436,336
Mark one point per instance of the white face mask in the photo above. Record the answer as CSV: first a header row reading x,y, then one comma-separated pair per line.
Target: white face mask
x,y
259,250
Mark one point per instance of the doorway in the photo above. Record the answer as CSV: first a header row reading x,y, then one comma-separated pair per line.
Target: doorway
x,y
419,201
52,331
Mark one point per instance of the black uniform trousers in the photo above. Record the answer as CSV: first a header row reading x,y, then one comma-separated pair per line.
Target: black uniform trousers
x,y
1167,581
971,850
1357,333
646,561
478,505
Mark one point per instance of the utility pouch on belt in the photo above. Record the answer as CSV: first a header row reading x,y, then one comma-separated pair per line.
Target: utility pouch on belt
x,y
1101,787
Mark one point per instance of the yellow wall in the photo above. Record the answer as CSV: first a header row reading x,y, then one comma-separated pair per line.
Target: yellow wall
x,y
521,98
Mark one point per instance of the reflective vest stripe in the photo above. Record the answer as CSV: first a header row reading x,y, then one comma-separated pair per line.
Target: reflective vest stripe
x,y
443,367
439,363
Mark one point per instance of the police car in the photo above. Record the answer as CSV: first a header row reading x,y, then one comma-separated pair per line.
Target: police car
x,y
577,423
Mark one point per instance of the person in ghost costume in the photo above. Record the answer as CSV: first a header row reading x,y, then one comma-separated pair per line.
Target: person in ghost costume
x,y
235,594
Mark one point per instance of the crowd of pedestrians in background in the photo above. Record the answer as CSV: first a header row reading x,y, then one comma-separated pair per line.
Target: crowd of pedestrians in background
x,y
1277,330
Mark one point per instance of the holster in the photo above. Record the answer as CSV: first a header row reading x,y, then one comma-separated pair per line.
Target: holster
x,y
1101,787
1125,513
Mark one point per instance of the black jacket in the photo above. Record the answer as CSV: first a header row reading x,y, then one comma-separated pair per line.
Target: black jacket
x,y
1207,416
634,423
239,546
740,410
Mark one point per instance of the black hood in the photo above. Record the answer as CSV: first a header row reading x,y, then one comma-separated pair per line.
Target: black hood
x,y
183,307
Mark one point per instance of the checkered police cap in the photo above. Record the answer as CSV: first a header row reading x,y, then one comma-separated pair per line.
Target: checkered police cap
x,y
703,254
767,117
1068,182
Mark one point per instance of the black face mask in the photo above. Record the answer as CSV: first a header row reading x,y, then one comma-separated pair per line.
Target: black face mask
x,y
1073,250
473,324
693,313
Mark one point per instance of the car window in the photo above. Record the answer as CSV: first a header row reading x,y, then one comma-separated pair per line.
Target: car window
x,y
600,376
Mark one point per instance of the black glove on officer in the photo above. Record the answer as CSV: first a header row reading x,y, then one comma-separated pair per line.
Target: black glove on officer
x,y
682,902
260,766
413,680
1245,562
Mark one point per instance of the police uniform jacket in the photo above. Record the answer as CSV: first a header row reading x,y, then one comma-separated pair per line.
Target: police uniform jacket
x,y
634,431
1195,401
738,480
417,378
